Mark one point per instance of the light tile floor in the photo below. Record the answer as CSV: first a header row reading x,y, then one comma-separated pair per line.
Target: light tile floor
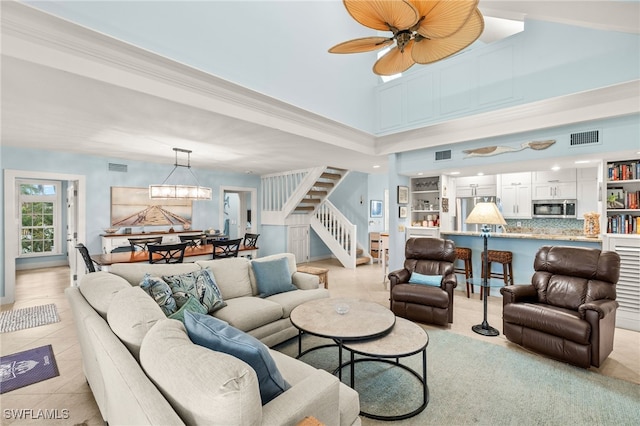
x,y
70,391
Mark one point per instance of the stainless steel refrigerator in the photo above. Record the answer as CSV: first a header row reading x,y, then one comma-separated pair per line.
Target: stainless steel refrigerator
x,y
464,205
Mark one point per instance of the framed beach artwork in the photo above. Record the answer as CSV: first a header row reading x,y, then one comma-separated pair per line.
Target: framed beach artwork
x,y
402,212
375,209
132,206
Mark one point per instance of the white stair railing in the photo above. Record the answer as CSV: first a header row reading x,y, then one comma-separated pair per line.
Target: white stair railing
x,y
337,232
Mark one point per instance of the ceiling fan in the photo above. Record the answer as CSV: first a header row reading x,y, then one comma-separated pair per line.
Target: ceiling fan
x,y
424,31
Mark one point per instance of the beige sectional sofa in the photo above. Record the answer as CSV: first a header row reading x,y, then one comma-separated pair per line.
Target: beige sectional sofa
x,y
143,369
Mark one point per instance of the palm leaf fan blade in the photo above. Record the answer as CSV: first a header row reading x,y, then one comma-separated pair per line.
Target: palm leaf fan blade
x,y
395,61
358,45
379,14
443,18
426,51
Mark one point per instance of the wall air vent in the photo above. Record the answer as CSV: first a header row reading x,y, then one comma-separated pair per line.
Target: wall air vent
x,y
443,155
585,138
114,167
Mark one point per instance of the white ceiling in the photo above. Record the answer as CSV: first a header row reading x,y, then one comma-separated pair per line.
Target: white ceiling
x,y
65,108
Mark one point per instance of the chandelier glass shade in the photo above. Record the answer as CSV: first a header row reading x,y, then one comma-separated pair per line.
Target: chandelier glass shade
x,y
180,191
424,31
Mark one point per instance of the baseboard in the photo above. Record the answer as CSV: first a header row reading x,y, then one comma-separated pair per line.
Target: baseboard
x,y
41,264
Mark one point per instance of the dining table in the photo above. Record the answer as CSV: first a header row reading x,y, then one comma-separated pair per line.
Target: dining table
x,y
191,254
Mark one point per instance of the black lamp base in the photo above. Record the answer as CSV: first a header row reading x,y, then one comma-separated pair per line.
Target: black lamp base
x,y
485,330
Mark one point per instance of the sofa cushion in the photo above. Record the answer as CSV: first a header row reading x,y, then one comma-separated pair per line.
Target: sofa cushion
x,y
134,272
99,288
199,284
214,334
191,305
291,299
273,277
232,276
159,291
434,280
131,315
203,386
565,323
262,312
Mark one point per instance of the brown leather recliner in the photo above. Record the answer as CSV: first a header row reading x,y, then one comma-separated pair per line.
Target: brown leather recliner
x,y
569,310
419,302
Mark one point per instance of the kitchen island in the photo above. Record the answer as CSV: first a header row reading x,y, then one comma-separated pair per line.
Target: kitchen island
x,y
524,247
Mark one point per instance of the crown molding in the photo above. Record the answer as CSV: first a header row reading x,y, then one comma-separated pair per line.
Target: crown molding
x,y
35,36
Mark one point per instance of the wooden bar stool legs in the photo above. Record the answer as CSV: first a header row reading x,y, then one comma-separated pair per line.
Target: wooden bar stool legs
x,y
464,254
498,256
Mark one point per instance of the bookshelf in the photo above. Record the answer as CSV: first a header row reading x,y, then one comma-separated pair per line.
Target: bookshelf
x,y
623,197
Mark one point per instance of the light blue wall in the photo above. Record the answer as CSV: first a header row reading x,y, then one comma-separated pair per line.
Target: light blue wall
x,y
377,183
546,60
139,174
249,43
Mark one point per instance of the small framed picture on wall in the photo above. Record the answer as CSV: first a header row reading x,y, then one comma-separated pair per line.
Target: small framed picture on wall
x,y
403,194
403,210
376,208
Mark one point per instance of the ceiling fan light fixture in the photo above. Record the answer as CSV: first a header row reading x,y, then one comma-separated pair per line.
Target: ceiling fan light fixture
x,y
425,31
179,191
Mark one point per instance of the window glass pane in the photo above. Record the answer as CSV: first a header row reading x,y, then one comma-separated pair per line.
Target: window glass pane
x,y
39,209
26,247
37,189
27,220
48,220
48,233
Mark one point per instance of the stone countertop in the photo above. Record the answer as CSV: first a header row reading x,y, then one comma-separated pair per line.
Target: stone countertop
x,y
556,237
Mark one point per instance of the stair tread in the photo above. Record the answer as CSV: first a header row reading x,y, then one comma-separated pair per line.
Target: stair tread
x,y
324,184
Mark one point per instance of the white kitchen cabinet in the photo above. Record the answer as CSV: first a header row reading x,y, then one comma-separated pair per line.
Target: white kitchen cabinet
x,y
587,191
476,186
554,191
553,176
515,195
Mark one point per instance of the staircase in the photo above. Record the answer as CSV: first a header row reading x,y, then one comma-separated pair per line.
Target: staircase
x,y
300,197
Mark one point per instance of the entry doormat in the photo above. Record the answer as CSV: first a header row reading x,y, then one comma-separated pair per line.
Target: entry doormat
x,y
26,368
34,316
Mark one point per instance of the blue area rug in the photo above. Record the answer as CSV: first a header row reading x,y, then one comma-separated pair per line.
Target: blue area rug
x,y
473,382
26,368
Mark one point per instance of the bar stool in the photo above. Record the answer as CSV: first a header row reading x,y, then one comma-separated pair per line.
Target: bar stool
x,y
464,254
499,256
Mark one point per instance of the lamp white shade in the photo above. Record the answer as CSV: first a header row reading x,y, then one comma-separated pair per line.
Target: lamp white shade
x,y
485,214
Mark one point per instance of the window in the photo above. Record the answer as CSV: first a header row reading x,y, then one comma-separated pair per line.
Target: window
x,y
39,218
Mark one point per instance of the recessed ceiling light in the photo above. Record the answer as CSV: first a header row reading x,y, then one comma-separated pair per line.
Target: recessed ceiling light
x,y
376,166
420,174
582,161
480,173
555,168
454,173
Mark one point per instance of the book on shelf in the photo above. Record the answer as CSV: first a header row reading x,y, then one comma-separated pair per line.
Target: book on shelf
x,y
623,224
629,170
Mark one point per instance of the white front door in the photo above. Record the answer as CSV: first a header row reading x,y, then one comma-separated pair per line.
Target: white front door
x,y
72,234
299,242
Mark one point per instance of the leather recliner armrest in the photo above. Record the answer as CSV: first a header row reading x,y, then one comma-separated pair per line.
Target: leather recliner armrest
x,y
398,277
449,281
603,307
518,294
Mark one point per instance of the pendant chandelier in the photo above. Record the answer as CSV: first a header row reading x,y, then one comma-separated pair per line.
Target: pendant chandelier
x,y
424,31
180,192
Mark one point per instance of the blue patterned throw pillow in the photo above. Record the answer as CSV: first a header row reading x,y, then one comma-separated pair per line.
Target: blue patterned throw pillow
x,y
199,284
160,291
210,332
433,280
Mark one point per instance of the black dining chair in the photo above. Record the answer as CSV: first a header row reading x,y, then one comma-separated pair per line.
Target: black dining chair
x,y
144,243
250,240
84,252
227,248
193,240
167,253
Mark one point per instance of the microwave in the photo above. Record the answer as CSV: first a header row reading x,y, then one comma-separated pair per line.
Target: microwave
x,y
563,209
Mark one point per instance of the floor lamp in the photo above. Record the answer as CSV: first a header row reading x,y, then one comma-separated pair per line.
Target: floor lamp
x,y
485,214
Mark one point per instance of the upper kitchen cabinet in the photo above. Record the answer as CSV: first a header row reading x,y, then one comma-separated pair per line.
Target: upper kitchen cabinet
x,y
515,195
553,185
476,186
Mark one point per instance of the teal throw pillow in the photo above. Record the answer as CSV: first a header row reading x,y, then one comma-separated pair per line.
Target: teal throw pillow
x,y
212,333
200,284
434,280
160,292
273,277
191,305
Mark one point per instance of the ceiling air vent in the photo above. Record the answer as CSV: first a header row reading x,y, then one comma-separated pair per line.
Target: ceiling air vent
x,y
114,167
585,138
443,155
